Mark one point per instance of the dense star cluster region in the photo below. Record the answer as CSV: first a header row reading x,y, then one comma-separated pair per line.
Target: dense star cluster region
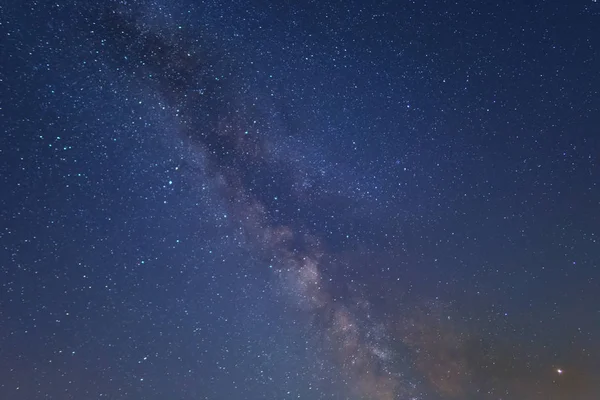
x,y
345,200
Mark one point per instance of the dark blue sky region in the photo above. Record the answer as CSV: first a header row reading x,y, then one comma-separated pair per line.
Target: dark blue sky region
x,y
350,200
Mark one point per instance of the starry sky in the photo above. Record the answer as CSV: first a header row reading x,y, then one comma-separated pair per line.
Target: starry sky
x,y
345,200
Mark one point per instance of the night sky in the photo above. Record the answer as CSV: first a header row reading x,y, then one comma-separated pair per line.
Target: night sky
x,y
345,200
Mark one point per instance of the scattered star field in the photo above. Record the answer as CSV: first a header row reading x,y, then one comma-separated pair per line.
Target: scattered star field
x,y
319,200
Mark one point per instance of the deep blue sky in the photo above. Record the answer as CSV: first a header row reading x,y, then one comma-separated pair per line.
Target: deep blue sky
x,y
307,200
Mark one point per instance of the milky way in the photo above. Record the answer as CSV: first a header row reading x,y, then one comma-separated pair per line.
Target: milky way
x,y
314,228
235,158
